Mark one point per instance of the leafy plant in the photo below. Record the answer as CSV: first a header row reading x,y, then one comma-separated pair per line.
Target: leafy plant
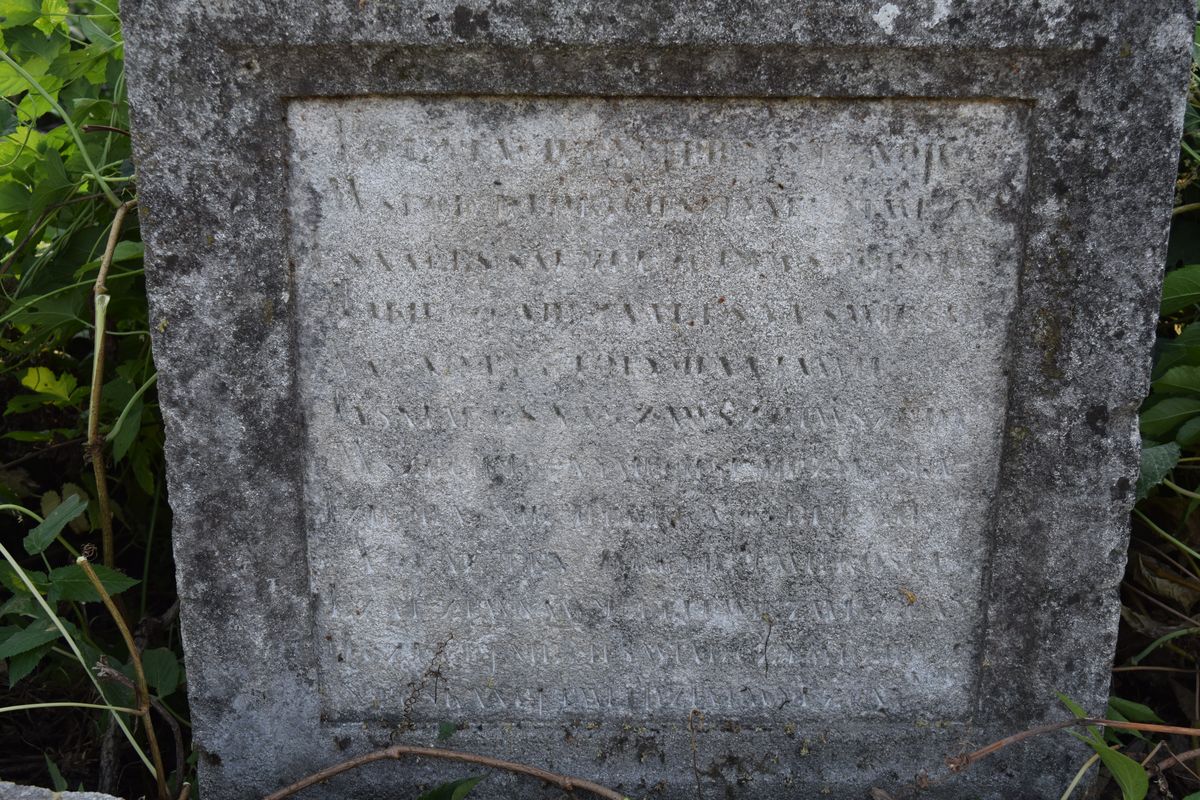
x,y
80,432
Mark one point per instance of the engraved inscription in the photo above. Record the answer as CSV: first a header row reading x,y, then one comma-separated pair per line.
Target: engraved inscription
x,y
621,408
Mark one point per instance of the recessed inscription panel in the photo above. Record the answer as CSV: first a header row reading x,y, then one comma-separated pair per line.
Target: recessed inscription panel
x,y
621,408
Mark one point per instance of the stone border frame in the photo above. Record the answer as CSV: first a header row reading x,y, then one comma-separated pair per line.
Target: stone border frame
x,y
209,85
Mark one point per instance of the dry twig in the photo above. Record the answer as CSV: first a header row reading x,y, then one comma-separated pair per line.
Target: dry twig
x,y
399,751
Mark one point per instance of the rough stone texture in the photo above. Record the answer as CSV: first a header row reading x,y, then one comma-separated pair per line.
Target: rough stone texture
x,y
858,543
13,791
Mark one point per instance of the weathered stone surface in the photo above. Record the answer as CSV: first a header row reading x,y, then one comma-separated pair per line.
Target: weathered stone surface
x,y
562,372
655,398
13,791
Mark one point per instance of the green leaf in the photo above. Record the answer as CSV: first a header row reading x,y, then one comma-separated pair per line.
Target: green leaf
x,y
1165,415
454,790
1189,433
56,779
446,730
1182,349
40,537
127,251
162,670
1134,712
128,431
44,381
12,581
1129,774
38,633
29,436
71,583
1157,463
1179,380
8,120
1181,288
94,34
20,665
14,196
18,12
54,15
1072,706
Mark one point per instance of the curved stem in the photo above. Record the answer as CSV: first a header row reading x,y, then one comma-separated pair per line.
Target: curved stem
x,y
141,691
564,782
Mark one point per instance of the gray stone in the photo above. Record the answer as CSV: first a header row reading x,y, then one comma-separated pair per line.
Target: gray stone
x,y
13,791
737,402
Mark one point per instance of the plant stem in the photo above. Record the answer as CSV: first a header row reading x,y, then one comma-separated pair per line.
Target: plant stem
x,y
1166,535
959,763
567,784
36,706
95,443
141,691
74,648
1180,490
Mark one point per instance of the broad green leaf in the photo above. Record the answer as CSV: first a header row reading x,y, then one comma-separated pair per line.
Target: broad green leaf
x,y
95,34
1129,774
1189,433
24,403
44,381
1167,414
127,251
1181,288
1134,712
54,15
454,790
162,670
19,604
40,537
38,633
71,583
13,83
1182,349
18,12
1179,380
20,665
1157,463
14,196
1193,796
12,581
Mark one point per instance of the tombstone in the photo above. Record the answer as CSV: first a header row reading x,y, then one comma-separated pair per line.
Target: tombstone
x,y
723,403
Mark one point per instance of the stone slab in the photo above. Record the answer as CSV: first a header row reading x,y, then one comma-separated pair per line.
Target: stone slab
x,y
733,402
13,791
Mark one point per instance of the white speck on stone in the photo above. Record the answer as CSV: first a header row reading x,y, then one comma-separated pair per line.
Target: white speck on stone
x,y
941,10
885,17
